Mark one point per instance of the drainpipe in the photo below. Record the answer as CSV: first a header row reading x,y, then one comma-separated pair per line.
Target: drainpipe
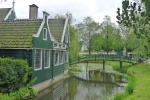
x,y
52,63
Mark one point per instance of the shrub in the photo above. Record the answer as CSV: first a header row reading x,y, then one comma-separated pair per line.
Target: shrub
x,y
13,74
24,93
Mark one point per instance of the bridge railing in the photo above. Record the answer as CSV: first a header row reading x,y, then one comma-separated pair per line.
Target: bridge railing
x,y
95,57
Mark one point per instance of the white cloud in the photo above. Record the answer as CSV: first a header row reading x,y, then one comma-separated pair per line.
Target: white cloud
x,y
97,9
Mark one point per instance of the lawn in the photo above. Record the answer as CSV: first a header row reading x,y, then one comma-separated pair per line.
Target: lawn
x,y
141,73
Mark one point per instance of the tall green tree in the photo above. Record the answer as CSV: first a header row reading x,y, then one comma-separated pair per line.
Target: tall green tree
x,y
111,35
117,41
74,42
134,16
97,42
86,30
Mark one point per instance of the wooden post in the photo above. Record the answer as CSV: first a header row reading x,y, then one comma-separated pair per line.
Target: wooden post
x,y
104,63
95,57
120,63
86,65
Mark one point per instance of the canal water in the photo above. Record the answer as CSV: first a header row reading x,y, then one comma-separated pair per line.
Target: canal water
x,y
90,85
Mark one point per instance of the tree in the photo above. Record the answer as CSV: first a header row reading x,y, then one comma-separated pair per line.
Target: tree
x,y
134,16
117,42
111,35
97,42
86,30
74,42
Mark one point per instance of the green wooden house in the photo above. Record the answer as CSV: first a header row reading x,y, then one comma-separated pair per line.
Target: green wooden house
x,y
44,43
7,14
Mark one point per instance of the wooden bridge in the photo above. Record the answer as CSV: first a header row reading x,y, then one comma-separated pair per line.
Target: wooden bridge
x,y
102,57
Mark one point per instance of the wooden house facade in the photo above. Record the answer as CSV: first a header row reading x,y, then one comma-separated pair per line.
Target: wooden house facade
x,y
44,43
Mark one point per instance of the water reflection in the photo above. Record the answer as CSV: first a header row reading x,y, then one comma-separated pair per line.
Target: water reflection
x,y
59,91
93,85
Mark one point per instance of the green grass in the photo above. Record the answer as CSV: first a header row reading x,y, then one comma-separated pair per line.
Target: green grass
x,y
116,66
139,81
141,73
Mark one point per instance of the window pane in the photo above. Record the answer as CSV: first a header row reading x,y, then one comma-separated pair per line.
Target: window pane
x,y
44,34
38,59
56,58
47,58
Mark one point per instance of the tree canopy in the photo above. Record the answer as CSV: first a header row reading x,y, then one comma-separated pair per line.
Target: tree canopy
x,y
135,16
86,30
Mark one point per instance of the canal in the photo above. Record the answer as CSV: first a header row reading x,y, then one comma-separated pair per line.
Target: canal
x,y
89,84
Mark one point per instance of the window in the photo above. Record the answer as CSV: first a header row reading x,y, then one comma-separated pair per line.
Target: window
x,y
61,57
44,34
56,58
47,59
38,59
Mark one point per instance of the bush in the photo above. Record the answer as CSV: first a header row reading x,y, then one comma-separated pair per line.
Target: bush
x,y
13,74
24,93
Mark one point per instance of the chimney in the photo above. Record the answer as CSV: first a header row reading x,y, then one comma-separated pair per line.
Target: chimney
x,y
33,12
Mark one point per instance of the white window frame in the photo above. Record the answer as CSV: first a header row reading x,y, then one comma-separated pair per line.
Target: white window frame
x,y
44,34
55,64
61,56
48,59
39,59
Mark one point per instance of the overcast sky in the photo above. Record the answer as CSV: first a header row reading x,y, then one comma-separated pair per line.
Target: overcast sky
x,y
97,9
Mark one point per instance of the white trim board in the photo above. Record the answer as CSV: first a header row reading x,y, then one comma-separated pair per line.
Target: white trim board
x,y
64,30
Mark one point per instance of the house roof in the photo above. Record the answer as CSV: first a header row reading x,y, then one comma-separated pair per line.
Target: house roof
x,y
18,33
56,27
4,12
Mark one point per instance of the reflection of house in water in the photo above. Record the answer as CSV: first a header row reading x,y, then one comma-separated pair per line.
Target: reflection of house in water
x,y
58,91
93,85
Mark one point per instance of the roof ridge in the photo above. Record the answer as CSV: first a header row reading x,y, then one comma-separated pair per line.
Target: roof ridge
x,y
21,20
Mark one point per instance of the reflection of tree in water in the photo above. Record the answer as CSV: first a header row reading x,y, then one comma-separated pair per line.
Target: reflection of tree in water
x,y
75,88
72,88
104,85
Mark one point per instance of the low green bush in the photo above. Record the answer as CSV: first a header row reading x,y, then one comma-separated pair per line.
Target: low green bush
x,y
24,93
13,74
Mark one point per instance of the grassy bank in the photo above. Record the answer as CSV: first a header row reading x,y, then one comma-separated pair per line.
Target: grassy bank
x,y
141,73
139,81
116,66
